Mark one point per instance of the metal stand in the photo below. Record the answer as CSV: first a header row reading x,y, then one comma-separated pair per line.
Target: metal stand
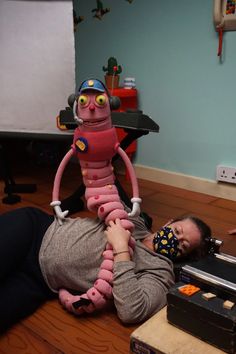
x,y
10,186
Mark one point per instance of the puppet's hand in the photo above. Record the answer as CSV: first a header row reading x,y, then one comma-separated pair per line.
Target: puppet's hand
x,y
61,215
75,303
66,299
136,206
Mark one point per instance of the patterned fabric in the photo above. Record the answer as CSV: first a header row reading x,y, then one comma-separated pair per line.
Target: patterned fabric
x,y
166,243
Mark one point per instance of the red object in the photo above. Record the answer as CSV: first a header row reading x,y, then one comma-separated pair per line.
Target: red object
x,y
129,100
128,97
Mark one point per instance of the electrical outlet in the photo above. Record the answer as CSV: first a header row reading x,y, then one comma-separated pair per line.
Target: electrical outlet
x,y
226,174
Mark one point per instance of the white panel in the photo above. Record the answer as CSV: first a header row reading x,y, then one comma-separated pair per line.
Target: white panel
x,y
37,64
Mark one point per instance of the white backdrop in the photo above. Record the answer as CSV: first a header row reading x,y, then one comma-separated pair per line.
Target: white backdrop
x,y
37,64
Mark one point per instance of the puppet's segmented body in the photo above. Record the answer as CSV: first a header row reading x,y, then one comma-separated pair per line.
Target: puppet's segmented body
x,y
101,193
102,197
105,199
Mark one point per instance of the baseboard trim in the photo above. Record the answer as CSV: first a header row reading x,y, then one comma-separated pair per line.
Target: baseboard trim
x,y
192,183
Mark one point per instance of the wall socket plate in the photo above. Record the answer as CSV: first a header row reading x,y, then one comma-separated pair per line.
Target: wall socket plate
x,y
226,174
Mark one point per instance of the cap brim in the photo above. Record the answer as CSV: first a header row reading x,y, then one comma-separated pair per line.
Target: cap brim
x,y
92,89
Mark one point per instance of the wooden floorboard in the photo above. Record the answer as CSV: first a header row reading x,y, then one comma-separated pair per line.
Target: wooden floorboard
x,y
51,329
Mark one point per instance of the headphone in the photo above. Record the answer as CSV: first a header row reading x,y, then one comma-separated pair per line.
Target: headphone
x,y
114,101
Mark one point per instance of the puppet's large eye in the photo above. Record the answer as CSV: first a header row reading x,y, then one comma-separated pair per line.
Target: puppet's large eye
x,y
101,100
83,99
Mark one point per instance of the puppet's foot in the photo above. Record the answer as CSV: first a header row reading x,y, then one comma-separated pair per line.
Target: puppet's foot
x,y
75,303
66,299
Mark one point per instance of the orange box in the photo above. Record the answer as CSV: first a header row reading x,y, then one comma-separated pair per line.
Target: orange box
x,y
188,289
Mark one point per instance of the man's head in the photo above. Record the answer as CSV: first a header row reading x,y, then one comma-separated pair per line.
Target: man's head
x,y
193,235
187,236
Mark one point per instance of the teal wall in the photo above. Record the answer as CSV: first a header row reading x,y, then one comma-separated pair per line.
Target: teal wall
x,y
170,47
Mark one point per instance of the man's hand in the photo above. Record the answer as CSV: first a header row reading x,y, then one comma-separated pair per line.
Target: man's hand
x,y
117,236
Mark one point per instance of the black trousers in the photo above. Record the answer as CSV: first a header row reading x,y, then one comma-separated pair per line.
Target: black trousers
x,y
22,286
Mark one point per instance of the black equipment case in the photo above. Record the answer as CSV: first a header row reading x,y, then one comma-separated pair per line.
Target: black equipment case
x,y
205,318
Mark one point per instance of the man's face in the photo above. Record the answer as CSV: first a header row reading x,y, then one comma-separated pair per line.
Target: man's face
x,y
188,235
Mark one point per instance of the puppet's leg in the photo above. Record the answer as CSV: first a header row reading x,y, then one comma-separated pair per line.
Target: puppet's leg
x,y
98,295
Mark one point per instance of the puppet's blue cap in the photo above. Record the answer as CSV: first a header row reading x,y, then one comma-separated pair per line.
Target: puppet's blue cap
x,y
92,84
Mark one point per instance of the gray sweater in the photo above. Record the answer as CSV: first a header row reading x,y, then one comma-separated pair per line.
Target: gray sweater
x,y
71,254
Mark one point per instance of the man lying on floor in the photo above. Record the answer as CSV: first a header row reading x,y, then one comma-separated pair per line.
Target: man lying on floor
x,y
41,259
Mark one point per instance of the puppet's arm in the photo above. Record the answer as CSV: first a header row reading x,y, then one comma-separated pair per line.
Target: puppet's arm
x,y
135,200
56,187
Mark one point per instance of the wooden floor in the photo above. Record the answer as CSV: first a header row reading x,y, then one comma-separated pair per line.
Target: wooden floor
x,y
51,329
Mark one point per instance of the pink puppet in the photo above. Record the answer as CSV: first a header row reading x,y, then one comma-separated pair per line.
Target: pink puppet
x,y
95,143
